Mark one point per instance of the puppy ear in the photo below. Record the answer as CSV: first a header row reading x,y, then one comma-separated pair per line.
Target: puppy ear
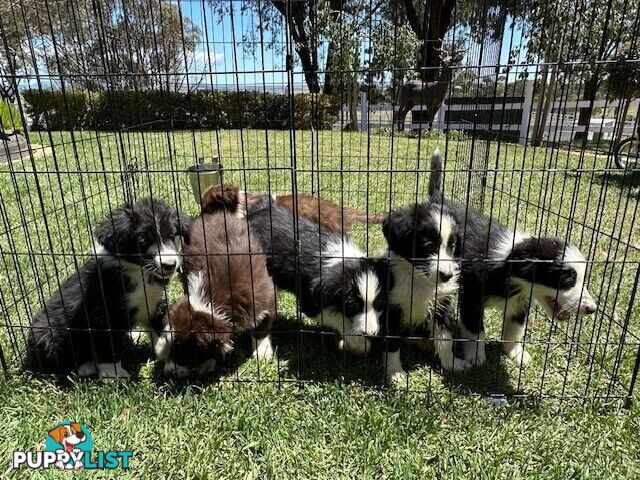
x,y
214,331
117,226
184,227
57,434
399,231
220,197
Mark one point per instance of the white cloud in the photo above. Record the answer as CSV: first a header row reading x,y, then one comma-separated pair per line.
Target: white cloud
x,y
203,59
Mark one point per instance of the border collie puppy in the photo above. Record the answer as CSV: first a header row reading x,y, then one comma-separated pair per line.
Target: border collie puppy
x,y
504,269
423,242
228,290
327,214
82,325
336,285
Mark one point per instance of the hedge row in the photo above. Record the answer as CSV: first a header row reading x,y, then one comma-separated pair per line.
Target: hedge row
x,y
53,110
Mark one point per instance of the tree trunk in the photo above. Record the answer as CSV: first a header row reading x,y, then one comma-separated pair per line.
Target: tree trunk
x,y
438,21
296,22
310,74
536,138
432,42
589,94
543,113
352,103
329,73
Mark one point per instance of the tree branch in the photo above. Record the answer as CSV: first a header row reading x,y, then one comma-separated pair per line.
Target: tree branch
x,y
413,18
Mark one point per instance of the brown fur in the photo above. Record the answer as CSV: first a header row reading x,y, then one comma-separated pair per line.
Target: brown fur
x,y
324,212
58,433
236,283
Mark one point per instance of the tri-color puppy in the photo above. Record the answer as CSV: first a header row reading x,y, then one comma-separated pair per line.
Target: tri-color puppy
x,y
423,241
122,285
228,291
505,269
334,281
327,214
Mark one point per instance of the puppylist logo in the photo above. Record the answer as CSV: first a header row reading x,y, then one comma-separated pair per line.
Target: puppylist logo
x,y
69,446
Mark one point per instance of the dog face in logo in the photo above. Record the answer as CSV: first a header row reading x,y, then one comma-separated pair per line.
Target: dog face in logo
x,y
69,436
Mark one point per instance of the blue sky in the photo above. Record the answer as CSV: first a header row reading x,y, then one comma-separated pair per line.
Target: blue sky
x,y
221,62
218,47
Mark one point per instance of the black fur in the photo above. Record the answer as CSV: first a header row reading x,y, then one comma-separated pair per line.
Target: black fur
x,y
492,270
316,284
319,286
414,236
86,318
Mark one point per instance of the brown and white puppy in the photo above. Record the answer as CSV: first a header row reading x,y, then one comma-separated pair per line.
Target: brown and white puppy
x,y
327,214
228,291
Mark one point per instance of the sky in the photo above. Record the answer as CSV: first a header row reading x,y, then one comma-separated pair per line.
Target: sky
x,y
224,61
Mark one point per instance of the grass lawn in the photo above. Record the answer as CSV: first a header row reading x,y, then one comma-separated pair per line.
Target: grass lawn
x,y
309,413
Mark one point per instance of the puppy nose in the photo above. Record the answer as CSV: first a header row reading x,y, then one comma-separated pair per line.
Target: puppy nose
x,y
80,435
445,276
589,308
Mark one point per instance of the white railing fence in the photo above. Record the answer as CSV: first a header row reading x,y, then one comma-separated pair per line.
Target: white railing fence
x,y
510,117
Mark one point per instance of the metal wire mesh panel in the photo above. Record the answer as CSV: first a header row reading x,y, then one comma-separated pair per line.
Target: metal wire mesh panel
x,y
108,103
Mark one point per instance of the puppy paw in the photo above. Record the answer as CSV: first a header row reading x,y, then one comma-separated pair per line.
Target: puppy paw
x,y
135,336
87,369
520,356
396,376
355,344
112,371
263,351
207,367
474,353
175,370
454,364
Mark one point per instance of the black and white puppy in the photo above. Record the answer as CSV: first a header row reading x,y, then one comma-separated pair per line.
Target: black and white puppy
x,y
505,269
423,242
335,283
123,284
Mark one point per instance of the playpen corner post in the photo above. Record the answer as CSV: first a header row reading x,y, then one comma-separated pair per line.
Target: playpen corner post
x,y
628,401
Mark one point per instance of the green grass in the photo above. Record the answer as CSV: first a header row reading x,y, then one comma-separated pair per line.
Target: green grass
x,y
9,117
306,414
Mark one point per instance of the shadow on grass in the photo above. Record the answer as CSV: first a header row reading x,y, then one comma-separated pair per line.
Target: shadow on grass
x,y
306,353
491,378
628,182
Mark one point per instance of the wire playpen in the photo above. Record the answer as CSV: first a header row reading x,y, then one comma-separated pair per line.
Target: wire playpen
x,y
299,97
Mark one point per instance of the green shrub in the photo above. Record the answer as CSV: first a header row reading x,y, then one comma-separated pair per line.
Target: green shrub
x,y
10,117
53,110
149,110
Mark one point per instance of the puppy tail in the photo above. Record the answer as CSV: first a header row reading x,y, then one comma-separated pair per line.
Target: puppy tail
x,y
361,216
435,179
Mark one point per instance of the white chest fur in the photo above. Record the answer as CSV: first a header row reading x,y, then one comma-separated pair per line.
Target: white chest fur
x,y
145,296
412,292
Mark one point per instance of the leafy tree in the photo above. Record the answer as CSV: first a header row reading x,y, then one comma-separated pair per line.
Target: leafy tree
x,y
277,17
109,44
623,83
579,35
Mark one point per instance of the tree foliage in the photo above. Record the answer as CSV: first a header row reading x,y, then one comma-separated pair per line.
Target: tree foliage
x,y
111,44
